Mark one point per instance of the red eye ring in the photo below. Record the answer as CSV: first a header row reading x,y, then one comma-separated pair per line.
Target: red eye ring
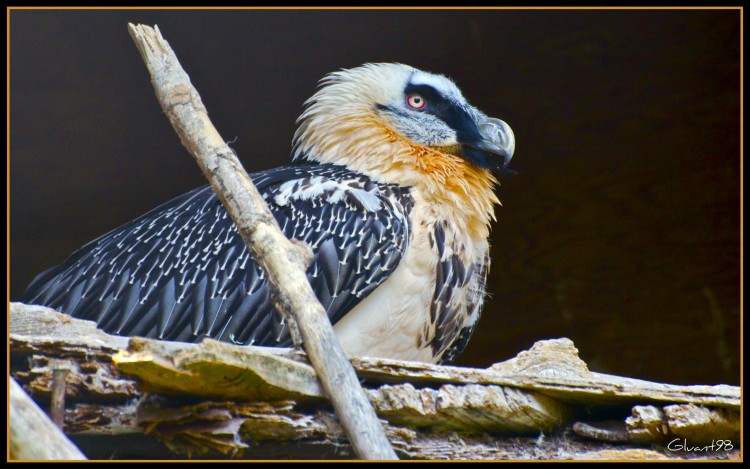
x,y
415,101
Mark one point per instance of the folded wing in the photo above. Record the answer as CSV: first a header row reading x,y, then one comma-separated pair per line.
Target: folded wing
x,y
181,272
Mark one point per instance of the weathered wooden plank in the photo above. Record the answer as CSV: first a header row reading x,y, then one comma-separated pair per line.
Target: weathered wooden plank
x,y
552,368
282,431
470,408
219,370
511,398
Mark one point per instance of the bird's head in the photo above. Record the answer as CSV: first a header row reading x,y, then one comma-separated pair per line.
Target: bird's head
x,y
404,126
392,114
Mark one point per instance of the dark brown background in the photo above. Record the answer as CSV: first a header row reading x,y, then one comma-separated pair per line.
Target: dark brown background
x,y
621,230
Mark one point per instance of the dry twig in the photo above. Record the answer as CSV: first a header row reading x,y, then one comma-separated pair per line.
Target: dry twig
x,y
283,263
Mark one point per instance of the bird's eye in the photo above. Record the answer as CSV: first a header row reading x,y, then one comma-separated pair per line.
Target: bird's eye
x,y
415,101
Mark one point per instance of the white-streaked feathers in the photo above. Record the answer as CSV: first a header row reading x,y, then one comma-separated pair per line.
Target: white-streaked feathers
x,y
335,192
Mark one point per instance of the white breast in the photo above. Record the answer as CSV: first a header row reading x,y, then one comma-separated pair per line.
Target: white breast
x,y
387,323
392,321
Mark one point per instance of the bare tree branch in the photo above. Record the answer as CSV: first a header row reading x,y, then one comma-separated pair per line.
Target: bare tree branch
x,y
282,261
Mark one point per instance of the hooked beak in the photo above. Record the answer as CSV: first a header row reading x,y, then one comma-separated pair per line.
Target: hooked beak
x,y
495,139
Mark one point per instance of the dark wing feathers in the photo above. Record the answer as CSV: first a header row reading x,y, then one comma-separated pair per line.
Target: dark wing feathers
x,y
454,322
181,271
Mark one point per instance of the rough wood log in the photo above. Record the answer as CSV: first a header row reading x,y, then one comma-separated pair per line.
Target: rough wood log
x,y
284,262
553,368
280,430
425,406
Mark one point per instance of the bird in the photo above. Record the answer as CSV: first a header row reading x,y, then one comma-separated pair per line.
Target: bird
x,y
392,185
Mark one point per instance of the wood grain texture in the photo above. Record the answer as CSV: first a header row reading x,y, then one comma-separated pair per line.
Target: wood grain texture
x,y
206,407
